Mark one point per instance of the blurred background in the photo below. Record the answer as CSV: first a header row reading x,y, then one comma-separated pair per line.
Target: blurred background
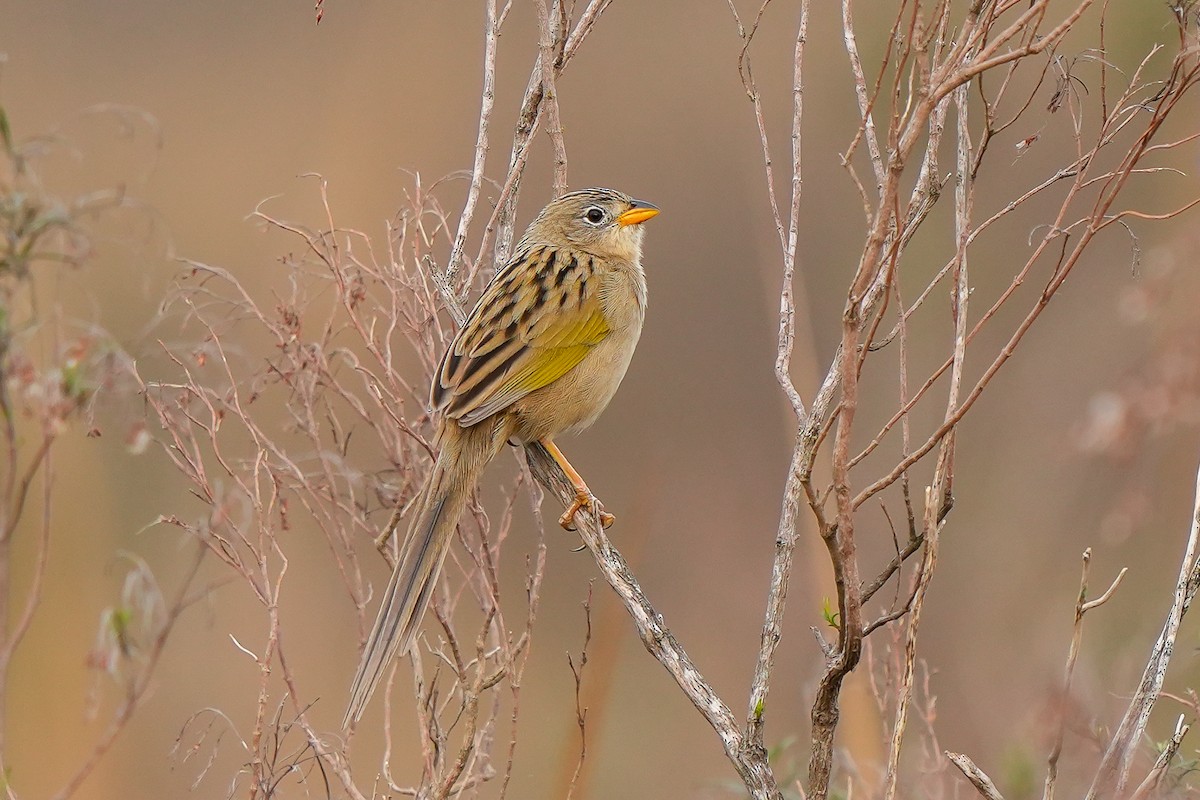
x,y
1087,438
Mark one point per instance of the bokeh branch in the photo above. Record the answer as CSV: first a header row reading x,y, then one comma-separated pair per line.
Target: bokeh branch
x,y
58,378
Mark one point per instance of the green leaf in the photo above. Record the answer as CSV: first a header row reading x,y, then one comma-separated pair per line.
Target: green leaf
x,y
830,616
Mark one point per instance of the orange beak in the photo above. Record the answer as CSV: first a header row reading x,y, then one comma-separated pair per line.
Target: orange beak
x,y
640,212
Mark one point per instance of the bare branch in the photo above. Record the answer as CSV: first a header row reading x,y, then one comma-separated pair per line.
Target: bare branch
x,y
487,100
1159,770
751,765
1113,772
975,775
786,537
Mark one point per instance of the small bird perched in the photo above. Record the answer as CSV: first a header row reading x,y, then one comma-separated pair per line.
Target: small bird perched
x,y
542,353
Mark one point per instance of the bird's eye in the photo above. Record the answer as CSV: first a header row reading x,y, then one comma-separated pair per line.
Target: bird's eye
x,y
594,215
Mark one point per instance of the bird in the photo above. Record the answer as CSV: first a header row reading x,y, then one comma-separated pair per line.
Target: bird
x,y
541,354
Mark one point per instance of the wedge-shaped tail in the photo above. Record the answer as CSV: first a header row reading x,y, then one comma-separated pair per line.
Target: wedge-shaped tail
x,y
411,587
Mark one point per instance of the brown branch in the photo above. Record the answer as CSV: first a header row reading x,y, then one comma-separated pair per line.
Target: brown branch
x,y
839,541
1181,83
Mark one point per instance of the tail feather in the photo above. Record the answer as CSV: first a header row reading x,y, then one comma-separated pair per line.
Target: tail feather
x,y
410,589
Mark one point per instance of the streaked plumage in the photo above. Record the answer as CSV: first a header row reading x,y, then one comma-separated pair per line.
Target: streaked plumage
x,y
541,353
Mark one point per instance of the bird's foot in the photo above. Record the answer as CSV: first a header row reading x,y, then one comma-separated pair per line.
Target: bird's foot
x,y
585,500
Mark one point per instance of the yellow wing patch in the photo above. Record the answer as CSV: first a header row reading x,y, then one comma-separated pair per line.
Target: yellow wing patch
x,y
533,324
556,352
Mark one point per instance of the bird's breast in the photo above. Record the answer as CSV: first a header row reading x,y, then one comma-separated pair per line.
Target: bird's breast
x,y
623,297
574,401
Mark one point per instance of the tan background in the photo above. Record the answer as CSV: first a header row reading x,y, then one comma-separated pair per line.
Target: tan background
x,y
692,453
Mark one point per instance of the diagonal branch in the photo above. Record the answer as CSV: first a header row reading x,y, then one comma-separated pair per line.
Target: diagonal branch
x,y
1113,772
751,764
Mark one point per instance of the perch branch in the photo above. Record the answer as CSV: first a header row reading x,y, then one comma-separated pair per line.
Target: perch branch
x,y
751,764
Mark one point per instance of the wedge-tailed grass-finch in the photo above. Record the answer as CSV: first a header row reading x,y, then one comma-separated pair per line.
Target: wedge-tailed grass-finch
x,y
541,354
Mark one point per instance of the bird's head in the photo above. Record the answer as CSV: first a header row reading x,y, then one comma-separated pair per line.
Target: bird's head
x,y
602,222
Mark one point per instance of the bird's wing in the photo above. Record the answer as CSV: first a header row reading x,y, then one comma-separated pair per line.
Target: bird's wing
x,y
538,318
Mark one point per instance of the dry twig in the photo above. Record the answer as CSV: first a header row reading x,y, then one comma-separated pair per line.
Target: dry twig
x,y
975,775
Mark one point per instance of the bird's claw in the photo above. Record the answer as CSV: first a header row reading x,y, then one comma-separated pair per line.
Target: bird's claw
x,y
585,500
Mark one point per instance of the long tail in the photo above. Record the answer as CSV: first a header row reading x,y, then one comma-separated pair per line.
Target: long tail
x,y
464,453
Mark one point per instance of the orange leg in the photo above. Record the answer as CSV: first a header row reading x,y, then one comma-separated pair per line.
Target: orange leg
x,y
583,495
